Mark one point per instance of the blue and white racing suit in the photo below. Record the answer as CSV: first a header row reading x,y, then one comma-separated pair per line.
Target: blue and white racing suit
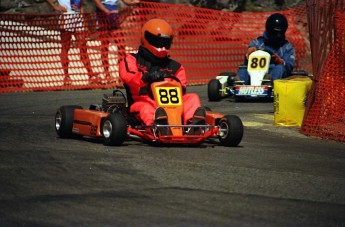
x,y
277,71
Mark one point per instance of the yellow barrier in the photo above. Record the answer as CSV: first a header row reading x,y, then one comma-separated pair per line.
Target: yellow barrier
x,y
290,96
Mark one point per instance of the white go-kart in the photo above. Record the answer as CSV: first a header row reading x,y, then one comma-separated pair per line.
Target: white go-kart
x,y
261,87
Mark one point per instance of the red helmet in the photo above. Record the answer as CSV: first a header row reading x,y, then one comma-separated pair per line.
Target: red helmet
x,y
157,36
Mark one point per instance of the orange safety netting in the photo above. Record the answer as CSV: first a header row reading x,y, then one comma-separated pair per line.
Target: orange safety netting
x,y
325,114
35,52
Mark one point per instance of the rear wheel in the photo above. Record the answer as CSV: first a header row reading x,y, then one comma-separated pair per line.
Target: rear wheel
x,y
64,121
114,129
213,90
231,128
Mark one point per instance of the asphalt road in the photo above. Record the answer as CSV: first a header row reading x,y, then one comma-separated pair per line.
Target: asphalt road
x,y
276,177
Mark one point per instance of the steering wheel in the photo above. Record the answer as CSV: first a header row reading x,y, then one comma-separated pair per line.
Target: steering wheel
x,y
266,50
168,76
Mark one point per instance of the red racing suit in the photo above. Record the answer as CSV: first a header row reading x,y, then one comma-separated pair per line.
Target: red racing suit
x,y
143,107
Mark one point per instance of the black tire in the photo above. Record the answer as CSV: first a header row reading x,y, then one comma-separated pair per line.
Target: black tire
x,y
64,121
232,130
213,88
114,129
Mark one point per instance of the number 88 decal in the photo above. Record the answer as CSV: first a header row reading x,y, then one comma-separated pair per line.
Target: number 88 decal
x,y
169,96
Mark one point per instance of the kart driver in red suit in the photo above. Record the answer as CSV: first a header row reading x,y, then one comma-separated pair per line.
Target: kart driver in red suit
x,y
151,63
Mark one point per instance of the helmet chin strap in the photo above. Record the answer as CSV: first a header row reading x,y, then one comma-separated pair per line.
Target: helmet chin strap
x,y
149,56
275,42
162,51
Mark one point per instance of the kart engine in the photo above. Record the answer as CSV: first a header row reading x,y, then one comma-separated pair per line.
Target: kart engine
x,y
114,102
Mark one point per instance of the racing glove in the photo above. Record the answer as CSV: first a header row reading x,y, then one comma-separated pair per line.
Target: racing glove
x,y
277,60
150,77
249,51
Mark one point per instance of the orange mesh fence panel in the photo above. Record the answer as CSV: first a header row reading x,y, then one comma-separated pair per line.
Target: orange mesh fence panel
x,y
325,117
52,52
208,42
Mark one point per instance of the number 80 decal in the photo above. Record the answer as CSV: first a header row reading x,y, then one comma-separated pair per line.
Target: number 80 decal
x,y
168,96
258,62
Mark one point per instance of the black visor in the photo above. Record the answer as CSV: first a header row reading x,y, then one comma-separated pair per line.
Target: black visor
x,y
276,33
158,41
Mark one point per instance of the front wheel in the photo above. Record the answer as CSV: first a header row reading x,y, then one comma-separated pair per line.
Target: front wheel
x,y
213,90
64,121
114,129
231,130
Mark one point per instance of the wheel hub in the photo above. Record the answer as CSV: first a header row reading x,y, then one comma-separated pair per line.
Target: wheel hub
x,y
107,129
224,129
58,119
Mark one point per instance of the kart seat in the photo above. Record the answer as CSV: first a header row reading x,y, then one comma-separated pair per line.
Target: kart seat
x,y
130,100
132,119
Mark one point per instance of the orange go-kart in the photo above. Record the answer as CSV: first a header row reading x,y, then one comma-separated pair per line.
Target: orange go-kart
x,y
113,122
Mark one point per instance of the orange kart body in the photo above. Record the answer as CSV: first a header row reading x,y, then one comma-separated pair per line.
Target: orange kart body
x,y
89,123
113,122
